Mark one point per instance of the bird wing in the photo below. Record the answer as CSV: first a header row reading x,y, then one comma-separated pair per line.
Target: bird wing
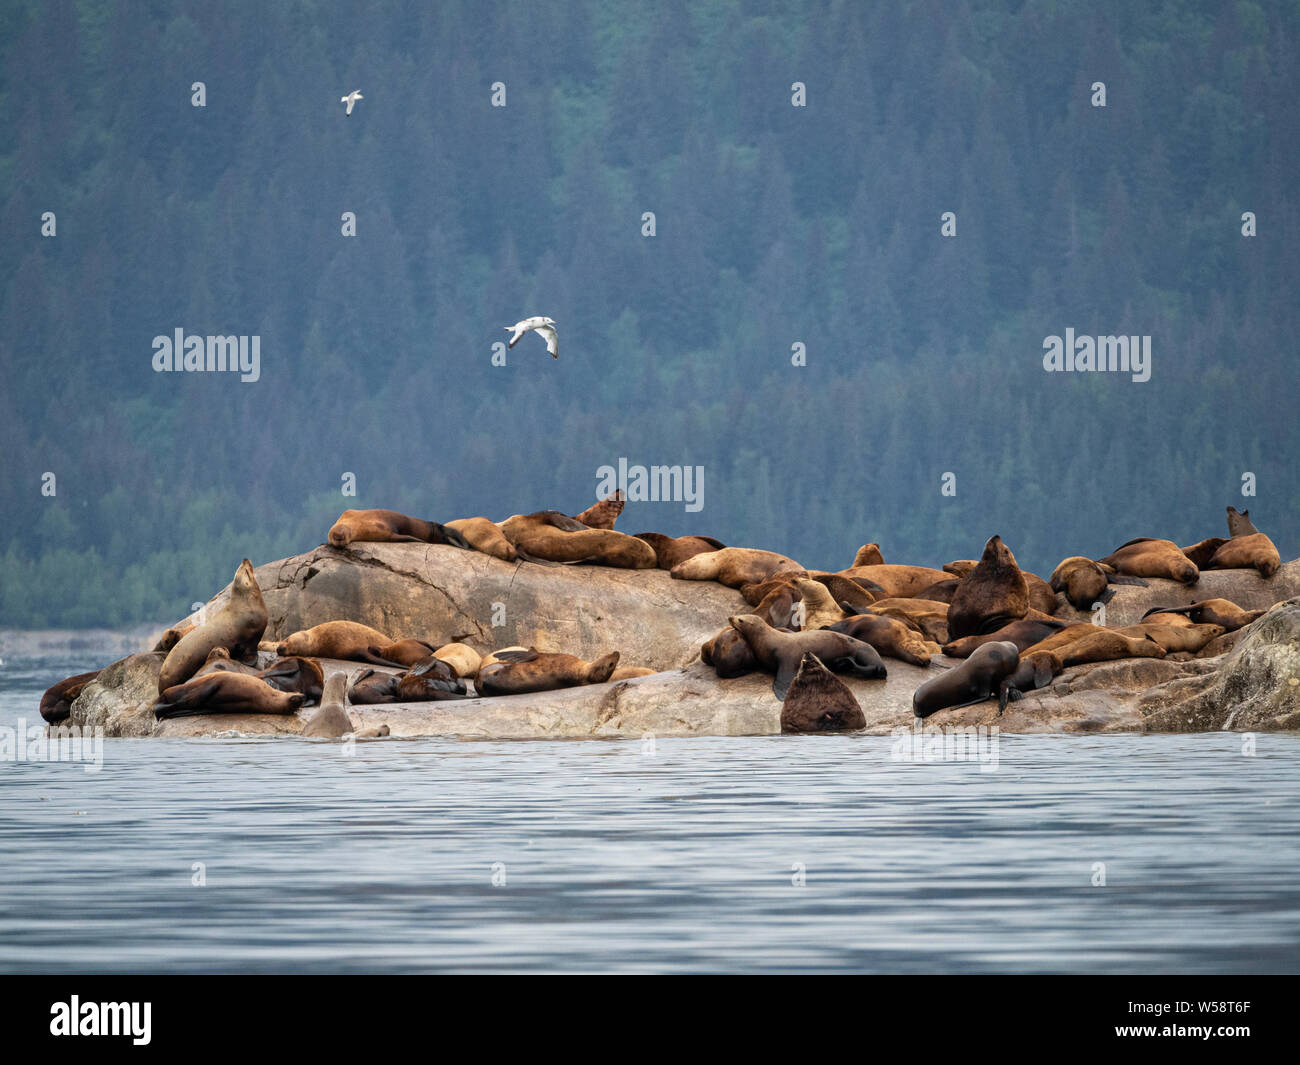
x,y
519,330
350,102
552,339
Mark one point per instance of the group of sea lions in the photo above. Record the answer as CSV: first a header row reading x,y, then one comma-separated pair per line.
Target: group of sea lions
x,y
805,626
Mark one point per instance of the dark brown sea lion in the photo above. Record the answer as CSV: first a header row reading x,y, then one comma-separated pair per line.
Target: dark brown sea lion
x,y
889,636
1036,670
331,720
1239,524
868,555
334,639
398,652
673,550
56,703
755,592
728,654
390,527
940,591
926,616
517,672
293,674
554,537
991,595
897,582
982,676
1023,633
603,514
733,566
482,534
1210,612
781,652
429,679
1147,557
225,693
237,626
1185,639
853,595
371,686
818,701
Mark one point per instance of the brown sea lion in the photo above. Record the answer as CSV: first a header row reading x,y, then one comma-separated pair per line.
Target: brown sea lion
x,y
1147,557
461,657
1083,581
1023,633
517,672
1186,639
1104,645
819,607
371,686
941,591
429,679
225,693
554,537
754,592
961,566
1036,670
733,566
483,535
330,721
1239,524
171,637
991,595
818,701
334,639
56,703
390,527
1161,617
630,673
926,616
889,636
728,654
853,595
983,675
1250,551
781,652
672,550
1208,611
603,514
403,653
1076,630
293,674
868,555
237,626
782,608
897,582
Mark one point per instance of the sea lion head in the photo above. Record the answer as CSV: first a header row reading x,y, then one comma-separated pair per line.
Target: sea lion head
x,y
1239,523
747,624
599,671
244,581
340,534
996,551
1184,570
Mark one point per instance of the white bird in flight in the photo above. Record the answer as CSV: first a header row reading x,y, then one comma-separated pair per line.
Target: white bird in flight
x,y
544,326
351,98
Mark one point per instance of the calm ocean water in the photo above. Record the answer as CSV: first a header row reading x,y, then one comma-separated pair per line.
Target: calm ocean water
x,y
615,859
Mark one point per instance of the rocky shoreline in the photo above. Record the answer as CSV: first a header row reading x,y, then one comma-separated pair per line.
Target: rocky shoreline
x,y
1244,680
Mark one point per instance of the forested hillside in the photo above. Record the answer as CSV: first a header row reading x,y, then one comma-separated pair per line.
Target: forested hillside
x,y
774,225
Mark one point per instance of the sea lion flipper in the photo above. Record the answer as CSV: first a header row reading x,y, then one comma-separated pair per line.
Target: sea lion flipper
x,y
515,656
786,669
528,557
1123,578
372,655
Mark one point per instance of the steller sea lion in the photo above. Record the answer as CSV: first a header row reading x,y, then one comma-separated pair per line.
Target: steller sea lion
x,y
889,636
991,595
225,693
403,653
982,676
671,550
334,639
517,672
781,652
171,637
754,592
868,555
1211,612
331,720
853,595
1036,670
1251,551
728,654
1083,581
1104,645
237,626
293,674
940,591
461,657
1175,638
819,607
1147,557
429,679
818,701
1023,633
897,582
56,703
733,566
371,686
390,527
782,608
555,537
929,618
483,535
603,514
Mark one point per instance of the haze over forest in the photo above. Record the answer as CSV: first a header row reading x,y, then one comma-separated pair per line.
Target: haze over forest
x,y
775,225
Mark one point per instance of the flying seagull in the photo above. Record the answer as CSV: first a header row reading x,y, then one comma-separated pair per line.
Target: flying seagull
x,y
351,98
544,326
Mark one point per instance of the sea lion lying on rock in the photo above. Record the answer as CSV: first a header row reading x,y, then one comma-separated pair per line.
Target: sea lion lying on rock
x,y
889,636
1211,612
897,582
237,626
1246,548
781,652
603,514
673,550
1183,639
1147,557
868,555
1023,633
429,679
729,654
733,566
225,693
555,537
390,527
518,672
818,701
461,657
370,686
927,617
1085,582
292,674
56,703
983,675
337,639
483,535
